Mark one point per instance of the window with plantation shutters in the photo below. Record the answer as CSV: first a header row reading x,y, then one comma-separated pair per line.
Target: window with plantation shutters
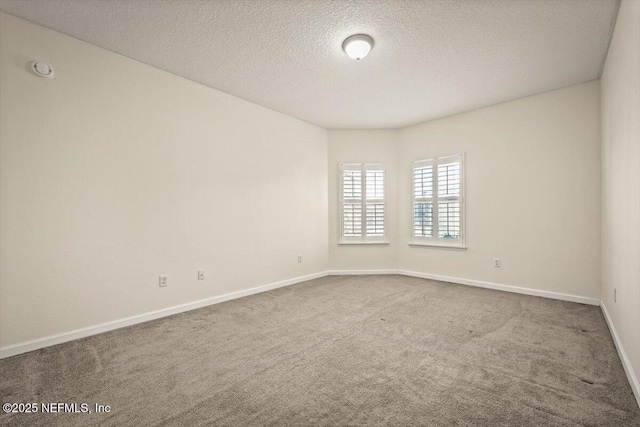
x,y
362,203
437,201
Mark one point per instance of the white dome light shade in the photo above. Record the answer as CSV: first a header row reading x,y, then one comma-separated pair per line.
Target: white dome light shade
x,y
358,46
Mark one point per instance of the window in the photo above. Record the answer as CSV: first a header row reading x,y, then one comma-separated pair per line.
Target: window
x,y
438,202
362,203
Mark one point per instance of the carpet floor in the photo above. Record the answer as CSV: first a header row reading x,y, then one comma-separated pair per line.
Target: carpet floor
x,y
341,350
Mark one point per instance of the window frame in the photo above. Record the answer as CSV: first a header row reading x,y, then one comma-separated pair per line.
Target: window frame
x,y
434,240
363,239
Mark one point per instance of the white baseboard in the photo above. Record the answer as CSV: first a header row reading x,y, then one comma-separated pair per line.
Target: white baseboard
x,y
360,272
506,288
26,346
477,283
39,343
626,363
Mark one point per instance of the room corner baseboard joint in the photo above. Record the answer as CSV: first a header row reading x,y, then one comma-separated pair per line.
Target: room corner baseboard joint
x,y
361,272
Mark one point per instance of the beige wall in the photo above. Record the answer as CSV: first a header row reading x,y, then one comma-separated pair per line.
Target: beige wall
x,y
363,146
115,172
620,86
532,191
533,198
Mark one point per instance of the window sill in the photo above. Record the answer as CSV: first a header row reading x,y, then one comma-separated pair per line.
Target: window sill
x,y
364,243
430,245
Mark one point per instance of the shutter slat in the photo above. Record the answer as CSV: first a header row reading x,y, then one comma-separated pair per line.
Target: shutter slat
x,y
449,179
449,220
352,184
375,219
423,181
423,219
375,184
351,222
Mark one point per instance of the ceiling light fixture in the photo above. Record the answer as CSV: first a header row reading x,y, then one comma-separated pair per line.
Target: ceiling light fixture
x,y
357,46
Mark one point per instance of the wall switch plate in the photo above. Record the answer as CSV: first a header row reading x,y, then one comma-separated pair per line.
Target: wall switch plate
x,y
615,295
200,274
497,263
299,259
163,281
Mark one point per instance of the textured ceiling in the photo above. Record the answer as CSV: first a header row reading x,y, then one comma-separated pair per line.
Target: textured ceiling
x,y
431,58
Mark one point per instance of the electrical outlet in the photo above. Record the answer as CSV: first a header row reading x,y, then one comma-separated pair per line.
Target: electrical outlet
x,y
200,274
163,281
299,259
497,263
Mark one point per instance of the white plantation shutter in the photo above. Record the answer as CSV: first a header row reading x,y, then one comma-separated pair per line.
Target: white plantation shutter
x,y
375,200
438,201
449,198
423,200
352,202
362,203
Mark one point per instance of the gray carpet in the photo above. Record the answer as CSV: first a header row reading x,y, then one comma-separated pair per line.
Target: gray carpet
x,y
359,350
